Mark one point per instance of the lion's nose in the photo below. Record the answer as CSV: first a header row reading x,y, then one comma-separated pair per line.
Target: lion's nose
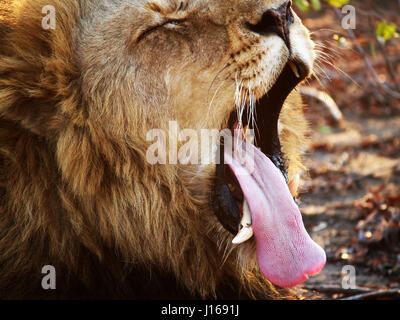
x,y
275,21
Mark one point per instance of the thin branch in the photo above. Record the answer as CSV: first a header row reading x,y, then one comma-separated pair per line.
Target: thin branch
x,y
384,87
326,100
335,289
393,294
388,63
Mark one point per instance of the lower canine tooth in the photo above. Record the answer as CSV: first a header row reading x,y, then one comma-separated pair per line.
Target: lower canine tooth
x,y
243,235
246,231
294,69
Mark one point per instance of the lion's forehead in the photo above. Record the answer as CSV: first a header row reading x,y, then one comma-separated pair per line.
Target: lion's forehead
x,y
117,21
221,12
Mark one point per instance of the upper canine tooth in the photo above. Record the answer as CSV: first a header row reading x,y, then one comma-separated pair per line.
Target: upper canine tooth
x,y
247,135
246,231
294,185
294,69
246,219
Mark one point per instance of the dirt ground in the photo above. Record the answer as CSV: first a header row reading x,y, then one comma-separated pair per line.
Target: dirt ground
x,y
347,168
351,193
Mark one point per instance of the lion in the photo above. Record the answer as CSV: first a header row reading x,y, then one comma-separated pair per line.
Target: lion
x,y
77,191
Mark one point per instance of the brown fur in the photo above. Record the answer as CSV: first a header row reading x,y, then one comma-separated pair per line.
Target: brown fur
x,y
76,190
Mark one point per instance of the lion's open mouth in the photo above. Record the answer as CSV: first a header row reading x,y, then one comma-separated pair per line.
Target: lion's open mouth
x,y
252,195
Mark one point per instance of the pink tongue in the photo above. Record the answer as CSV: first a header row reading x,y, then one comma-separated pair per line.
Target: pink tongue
x,y
286,253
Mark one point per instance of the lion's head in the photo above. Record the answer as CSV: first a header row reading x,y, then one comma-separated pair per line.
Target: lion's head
x,y
78,108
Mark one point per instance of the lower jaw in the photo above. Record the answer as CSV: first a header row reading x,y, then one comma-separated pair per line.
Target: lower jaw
x,y
228,198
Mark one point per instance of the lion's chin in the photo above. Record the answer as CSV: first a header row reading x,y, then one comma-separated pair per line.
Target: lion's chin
x,y
253,197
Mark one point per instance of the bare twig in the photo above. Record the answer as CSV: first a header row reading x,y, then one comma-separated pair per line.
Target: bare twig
x,y
389,66
389,294
335,289
378,83
388,63
326,99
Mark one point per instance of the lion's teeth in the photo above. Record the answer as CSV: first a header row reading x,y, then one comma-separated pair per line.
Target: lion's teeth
x,y
243,235
246,219
294,69
246,230
294,185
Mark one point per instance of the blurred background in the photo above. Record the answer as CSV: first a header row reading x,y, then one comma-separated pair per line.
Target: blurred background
x,y
351,192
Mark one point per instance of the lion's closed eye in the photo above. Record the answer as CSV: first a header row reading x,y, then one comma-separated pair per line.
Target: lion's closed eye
x,y
170,24
175,23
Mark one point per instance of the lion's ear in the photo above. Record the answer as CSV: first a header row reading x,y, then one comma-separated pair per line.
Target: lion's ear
x,y
27,95
37,71
23,98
